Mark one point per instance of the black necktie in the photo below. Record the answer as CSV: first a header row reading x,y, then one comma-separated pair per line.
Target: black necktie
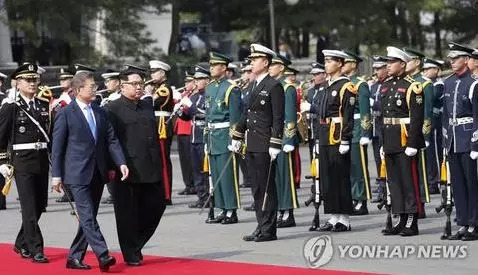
x,y
254,85
31,105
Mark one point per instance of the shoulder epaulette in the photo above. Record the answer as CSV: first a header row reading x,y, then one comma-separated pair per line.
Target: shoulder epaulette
x,y
409,79
43,99
416,87
388,78
351,87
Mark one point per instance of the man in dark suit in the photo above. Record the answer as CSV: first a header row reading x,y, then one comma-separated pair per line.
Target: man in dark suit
x,y
264,122
140,201
82,139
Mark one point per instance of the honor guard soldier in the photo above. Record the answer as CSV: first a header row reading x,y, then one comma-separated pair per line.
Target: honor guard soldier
x,y
379,66
402,102
24,124
284,170
460,132
434,152
66,74
336,114
473,64
223,110
231,70
312,96
163,106
194,110
261,127
3,154
413,69
183,130
362,134
112,83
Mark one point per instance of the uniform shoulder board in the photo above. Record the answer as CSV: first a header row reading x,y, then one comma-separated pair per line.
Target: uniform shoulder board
x,y
7,100
409,79
43,99
388,78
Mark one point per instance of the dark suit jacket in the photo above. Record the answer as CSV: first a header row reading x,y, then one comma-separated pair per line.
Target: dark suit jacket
x,y
75,155
263,117
137,132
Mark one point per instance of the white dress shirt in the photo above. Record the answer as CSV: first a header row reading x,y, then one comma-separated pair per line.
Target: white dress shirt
x,y
84,109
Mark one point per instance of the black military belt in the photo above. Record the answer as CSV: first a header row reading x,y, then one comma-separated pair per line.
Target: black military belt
x,y
30,146
460,121
396,120
3,155
327,120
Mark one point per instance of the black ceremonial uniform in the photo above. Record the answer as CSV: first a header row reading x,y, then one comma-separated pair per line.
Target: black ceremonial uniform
x,y
140,200
264,122
3,160
30,159
163,106
402,104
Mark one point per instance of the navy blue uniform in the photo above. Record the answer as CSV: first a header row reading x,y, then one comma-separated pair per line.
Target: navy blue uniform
x,y
460,124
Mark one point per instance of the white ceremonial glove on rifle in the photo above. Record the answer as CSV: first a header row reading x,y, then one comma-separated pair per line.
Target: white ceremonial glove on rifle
x,y
177,106
273,152
177,95
427,143
288,148
5,171
473,155
410,151
316,148
382,154
235,146
185,101
365,141
344,149
305,106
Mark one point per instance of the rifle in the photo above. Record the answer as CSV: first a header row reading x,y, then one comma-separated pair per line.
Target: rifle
x,y
446,202
315,189
387,200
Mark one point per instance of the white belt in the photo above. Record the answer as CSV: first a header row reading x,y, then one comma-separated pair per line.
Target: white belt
x,y
218,125
396,120
199,122
30,146
357,116
162,113
327,120
460,121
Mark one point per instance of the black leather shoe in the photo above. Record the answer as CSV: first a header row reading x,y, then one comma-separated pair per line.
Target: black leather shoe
x,y
230,220
395,230
363,210
457,236
138,263
409,231
218,219
290,222
106,262
470,236
23,252
340,227
326,227
249,208
76,264
251,237
40,258
265,238
197,204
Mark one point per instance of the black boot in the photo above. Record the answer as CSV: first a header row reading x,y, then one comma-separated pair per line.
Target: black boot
x,y
289,222
397,228
232,219
218,219
411,227
363,210
280,216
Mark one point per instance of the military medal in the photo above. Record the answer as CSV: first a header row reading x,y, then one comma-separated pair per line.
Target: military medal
x,y
334,93
22,129
352,100
399,102
263,102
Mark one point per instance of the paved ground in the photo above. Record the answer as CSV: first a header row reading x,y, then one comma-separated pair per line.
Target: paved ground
x,y
183,233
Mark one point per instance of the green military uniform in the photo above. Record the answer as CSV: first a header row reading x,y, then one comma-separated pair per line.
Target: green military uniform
x,y
359,175
223,110
284,173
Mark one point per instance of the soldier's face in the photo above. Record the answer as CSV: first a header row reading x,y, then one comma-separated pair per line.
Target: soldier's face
x,y
65,83
259,65
349,67
133,88
276,69
412,65
473,64
112,84
28,86
381,73
332,66
217,70
458,64
318,78
431,72
189,86
201,83
158,75
396,67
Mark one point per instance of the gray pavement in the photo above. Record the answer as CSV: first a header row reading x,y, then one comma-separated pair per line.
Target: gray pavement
x,y
183,233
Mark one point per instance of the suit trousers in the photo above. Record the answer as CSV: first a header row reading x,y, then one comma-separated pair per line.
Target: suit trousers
x,y
32,191
258,167
87,200
138,210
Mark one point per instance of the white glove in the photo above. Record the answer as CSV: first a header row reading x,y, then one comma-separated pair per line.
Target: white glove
x,y
273,152
343,149
177,106
382,154
410,151
316,148
365,141
305,106
235,146
427,143
176,95
288,148
372,101
5,171
185,101
473,155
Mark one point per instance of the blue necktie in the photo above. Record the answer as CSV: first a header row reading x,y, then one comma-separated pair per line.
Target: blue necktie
x,y
91,121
